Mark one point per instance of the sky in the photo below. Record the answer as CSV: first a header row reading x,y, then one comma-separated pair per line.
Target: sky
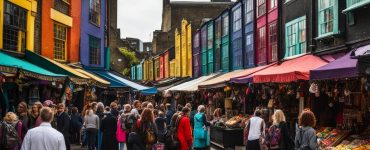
x,y
139,18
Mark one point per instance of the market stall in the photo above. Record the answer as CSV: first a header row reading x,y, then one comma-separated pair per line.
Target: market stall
x,y
339,101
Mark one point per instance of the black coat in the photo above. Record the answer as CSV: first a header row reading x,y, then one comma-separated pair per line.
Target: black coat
x,y
76,123
63,124
135,142
109,128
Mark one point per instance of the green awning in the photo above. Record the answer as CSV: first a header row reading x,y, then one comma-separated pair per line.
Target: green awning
x,y
9,64
356,5
54,66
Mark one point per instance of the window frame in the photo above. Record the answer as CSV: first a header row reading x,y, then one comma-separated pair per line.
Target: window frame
x,y
273,40
56,49
321,16
248,9
261,45
261,4
275,5
237,19
19,38
225,25
294,47
94,60
97,5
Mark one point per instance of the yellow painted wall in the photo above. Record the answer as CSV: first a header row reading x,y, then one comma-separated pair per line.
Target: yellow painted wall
x,y
31,6
189,51
184,48
60,17
177,54
172,68
145,70
151,69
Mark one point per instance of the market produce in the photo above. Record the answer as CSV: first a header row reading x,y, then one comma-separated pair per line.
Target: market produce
x,y
233,121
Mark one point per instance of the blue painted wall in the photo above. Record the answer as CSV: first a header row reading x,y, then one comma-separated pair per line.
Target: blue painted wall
x,y
236,39
248,38
87,29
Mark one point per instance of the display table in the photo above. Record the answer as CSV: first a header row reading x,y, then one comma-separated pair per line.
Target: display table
x,y
226,138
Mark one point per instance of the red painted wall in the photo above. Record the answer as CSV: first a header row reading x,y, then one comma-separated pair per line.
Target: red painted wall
x,y
166,65
264,21
73,33
161,66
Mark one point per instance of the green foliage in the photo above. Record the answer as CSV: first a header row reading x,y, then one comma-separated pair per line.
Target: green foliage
x,y
131,58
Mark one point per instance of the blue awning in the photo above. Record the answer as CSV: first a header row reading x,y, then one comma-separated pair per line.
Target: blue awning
x,y
119,81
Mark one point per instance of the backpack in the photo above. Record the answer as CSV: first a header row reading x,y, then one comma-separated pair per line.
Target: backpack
x,y
172,142
9,135
127,121
148,134
273,137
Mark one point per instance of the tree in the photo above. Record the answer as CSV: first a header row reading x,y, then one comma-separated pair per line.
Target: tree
x,y
131,60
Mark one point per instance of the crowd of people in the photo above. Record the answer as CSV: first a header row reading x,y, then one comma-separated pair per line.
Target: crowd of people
x,y
140,126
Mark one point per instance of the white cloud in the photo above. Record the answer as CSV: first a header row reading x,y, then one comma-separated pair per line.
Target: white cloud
x,y
139,18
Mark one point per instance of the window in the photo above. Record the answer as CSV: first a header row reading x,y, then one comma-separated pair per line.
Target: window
x,y
248,11
225,25
249,45
273,41
15,21
196,40
273,4
295,36
237,53
94,50
94,15
262,45
328,16
237,16
210,36
261,7
60,41
62,6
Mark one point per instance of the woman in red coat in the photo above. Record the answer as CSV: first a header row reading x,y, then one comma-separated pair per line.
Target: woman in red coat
x,y
184,130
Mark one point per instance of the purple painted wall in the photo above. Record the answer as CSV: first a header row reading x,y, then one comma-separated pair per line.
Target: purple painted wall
x,y
87,29
196,55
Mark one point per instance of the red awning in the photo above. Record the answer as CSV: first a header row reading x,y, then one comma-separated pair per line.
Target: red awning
x,y
289,70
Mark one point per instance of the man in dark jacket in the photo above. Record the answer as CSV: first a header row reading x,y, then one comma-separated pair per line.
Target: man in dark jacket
x,y
76,125
63,122
109,128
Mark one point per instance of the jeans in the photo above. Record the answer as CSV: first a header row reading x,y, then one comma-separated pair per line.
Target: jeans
x,y
91,137
254,144
121,146
99,139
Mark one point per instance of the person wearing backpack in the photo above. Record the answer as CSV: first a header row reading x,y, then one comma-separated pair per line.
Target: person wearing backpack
x,y
11,133
277,137
201,141
122,126
305,138
147,128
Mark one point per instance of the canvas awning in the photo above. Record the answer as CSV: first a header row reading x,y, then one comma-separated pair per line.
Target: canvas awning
x,y
240,77
9,64
114,83
119,81
170,82
95,79
343,67
54,66
192,85
289,70
362,54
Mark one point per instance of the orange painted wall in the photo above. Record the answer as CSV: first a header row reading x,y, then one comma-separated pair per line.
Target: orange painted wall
x,y
47,33
73,33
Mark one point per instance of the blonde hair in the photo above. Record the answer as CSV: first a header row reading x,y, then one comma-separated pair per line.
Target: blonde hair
x,y
278,117
10,117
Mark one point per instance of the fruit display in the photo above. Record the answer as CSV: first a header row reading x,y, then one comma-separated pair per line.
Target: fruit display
x,y
232,122
330,136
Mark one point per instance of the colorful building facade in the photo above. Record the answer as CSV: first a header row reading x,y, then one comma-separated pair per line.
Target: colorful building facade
x,y
92,33
60,21
17,36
